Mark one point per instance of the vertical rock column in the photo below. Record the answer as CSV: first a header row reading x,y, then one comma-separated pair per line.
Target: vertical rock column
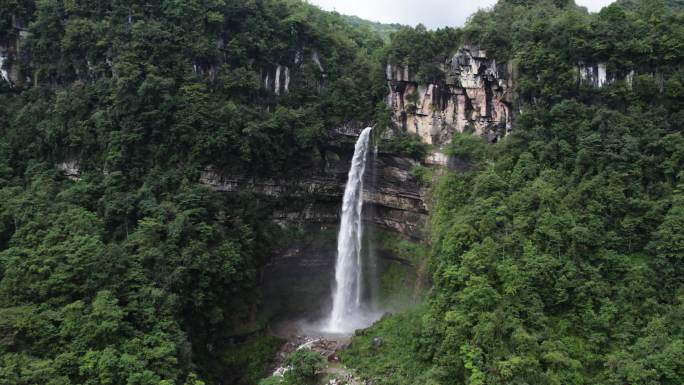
x,y
475,95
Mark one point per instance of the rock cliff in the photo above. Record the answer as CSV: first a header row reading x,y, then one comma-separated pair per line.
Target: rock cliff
x,y
476,96
598,75
12,53
304,64
297,280
391,193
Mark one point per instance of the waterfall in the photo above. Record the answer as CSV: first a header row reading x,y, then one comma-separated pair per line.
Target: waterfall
x,y
348,267
277,80
287,80
3,73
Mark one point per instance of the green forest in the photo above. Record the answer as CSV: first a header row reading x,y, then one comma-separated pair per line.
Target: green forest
x,y
555,257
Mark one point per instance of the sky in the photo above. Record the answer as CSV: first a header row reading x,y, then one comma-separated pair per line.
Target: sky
x,y
432,13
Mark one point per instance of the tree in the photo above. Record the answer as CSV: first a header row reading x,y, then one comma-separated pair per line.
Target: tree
x,y
304,366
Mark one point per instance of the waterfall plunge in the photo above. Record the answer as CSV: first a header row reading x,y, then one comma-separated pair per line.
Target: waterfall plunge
x,y
347,312
3,73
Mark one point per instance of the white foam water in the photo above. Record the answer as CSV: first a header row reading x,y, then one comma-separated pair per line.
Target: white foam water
x,y
347,311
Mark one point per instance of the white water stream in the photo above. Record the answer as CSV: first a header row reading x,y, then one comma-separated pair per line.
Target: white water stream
x,y
347,311
3,73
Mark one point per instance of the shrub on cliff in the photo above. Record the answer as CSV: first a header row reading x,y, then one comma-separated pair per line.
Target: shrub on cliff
x,y
406,144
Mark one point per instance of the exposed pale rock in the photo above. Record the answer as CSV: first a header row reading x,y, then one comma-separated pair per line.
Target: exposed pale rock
x,y
316,59
286,86
629,78
271,187
13,53
3,72
399,73
437,158
601,74
71,169
474,97
277,80
278,77
350,128
597,75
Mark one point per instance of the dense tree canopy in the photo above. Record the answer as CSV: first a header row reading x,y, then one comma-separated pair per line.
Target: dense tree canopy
x,y
135,273
557,256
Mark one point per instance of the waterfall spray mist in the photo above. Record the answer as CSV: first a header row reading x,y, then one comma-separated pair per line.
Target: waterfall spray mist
x,y
347,295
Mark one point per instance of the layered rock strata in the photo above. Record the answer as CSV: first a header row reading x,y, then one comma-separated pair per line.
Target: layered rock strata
x,y
297,280
12,53
476,96
390,190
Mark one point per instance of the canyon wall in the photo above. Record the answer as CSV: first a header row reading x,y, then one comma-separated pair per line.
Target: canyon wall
x,y
599,75
297,280
13,53
476,96
303,65
314,196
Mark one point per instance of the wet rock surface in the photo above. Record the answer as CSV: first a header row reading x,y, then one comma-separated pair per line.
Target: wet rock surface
x,y
333,374
297,281
399,202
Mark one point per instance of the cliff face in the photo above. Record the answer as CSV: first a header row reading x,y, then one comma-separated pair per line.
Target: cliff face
x,y
393,198
599,75
297,280
12,53
476,96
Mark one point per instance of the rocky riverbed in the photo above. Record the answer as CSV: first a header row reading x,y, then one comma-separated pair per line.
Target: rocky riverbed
x,y
334,372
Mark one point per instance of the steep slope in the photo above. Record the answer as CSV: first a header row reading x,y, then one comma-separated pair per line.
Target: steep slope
x,y
164,165
556,254
117,263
